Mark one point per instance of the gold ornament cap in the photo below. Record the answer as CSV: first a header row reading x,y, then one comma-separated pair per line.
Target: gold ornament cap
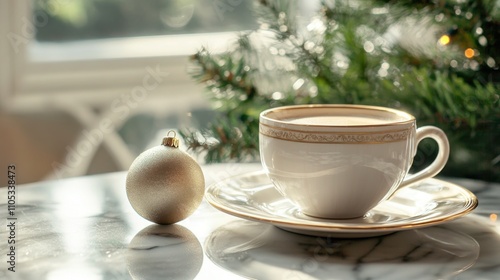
x,y
170,141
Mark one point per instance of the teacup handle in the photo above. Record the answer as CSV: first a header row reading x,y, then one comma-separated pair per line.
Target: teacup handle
x,y
442,157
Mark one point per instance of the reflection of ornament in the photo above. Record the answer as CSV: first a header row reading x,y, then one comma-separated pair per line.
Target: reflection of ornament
x,y
164,252
164,184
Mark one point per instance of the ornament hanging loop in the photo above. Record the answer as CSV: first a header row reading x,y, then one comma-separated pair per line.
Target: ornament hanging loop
x,y
171,141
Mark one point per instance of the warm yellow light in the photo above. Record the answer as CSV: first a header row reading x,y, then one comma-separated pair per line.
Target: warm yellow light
x,y
469,53
493,217
444,40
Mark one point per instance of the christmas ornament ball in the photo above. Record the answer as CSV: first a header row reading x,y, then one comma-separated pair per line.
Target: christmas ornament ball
x,y
164,184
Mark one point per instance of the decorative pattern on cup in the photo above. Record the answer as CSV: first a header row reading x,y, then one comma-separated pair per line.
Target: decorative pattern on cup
x,y
372,137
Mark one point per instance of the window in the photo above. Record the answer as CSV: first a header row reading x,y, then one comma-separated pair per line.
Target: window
x,y
61,45
98,60
63,20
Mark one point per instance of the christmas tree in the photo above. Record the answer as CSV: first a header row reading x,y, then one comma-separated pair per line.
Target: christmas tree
x,y
436,59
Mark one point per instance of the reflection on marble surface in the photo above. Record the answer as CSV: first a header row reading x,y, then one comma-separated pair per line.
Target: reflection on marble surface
x,y
254,249
161,251
84,228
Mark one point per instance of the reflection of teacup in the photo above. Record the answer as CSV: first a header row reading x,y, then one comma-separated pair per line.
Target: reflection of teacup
x,y
259,251
340,161
164,252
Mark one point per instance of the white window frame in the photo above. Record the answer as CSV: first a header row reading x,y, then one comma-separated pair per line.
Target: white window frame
x,y
49,76
101,71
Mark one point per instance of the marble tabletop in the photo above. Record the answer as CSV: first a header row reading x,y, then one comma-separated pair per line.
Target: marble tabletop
x,y
85,228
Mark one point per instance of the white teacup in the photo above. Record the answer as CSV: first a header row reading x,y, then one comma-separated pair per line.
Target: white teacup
x,y
340,161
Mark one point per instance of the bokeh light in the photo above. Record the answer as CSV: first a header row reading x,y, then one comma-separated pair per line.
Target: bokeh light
x,y
493,217
469,53
444,40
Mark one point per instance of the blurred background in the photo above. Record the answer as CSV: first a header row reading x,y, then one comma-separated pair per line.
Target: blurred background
x,y
86,85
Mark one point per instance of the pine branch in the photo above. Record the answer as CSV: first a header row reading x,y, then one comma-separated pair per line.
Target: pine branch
x,y
222,75
464,102
227,77
281,23
225,140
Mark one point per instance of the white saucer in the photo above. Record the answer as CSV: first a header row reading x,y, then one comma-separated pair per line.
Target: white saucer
x,y
430,202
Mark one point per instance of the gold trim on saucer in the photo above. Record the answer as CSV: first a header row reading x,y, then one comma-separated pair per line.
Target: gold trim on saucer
x,y
253,197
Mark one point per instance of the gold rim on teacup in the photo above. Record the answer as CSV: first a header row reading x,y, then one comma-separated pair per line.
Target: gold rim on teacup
x,y
388,131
